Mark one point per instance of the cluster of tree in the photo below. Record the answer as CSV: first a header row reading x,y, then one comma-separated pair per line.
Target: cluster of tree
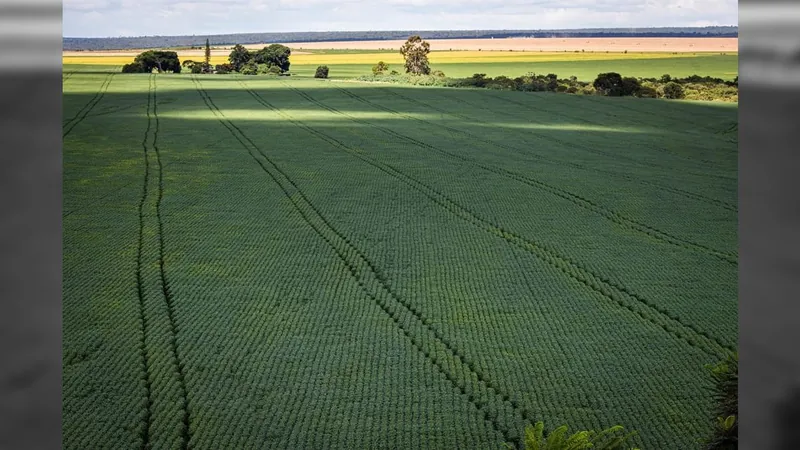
x,y
273,59
146,62
121,43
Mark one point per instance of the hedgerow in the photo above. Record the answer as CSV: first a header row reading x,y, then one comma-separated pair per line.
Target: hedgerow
x,y
693,87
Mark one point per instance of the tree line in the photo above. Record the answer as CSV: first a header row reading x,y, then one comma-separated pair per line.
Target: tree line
x,y
123,43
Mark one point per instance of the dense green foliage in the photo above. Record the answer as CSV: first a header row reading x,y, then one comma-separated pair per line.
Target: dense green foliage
x,y
272,59
113,43
273,262
725,375
606,84
322,72
612,438
145,62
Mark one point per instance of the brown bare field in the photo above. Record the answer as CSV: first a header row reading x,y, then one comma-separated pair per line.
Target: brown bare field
x,y
682,45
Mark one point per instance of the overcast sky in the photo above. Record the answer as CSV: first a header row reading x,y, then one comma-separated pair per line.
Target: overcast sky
x,y
100,18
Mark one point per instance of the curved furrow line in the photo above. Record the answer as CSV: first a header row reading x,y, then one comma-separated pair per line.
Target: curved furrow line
x,y
81,115
619,105
165,290
68,75
146,374
624,176
527,105
537,156
610,103
586,148
584,203
368,275
670,323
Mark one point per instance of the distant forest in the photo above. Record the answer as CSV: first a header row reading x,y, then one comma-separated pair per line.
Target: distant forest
x,y
121,43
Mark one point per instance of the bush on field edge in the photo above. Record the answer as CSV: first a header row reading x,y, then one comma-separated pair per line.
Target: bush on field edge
x,y
724,419
693,87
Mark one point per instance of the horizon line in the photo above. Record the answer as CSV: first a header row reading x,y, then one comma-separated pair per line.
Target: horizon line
x,y
399,30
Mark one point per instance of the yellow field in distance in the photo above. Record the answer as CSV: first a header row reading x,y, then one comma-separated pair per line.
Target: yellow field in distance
x,y
442,57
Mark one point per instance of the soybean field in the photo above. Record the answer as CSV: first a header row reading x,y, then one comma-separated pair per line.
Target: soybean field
x,y
284,262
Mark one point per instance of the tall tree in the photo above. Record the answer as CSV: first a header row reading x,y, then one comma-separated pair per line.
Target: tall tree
x,y
415,51
239,57
275,55
207,66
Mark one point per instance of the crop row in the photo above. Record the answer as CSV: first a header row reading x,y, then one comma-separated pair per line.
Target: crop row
x,y
334,177
687,309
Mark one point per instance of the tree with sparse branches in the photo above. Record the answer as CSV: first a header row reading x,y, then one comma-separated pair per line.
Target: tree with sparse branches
x,y
415,52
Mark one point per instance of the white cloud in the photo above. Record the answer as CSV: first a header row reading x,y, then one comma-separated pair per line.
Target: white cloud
x,y
248,16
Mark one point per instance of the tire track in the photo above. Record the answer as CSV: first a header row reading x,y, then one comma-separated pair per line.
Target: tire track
x,y
638,112
160,351
145,432
607,288
582,202
706,162
84,111
68,75
168,298
415,326
624,176
611,155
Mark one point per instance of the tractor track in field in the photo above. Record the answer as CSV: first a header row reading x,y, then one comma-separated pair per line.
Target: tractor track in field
x,y
361,267
165,289
690,159
68,75
614,104
624,176
595,282
71,123
148,148
611,155
145,432
597,101
584,203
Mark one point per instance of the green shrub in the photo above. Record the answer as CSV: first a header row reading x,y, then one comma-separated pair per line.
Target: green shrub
x,y
380,68
250,68
197,68
609,84
725,376
134,67
611,438
273,70
224,68
322,72
438,73
673,90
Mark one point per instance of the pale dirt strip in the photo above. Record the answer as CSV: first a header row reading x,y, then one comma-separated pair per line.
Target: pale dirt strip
x,y
681,45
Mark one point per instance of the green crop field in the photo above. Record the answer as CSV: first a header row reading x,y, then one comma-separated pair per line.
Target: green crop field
x,y
256,262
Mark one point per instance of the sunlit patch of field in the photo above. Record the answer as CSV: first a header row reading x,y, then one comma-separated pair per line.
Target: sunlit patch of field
x,y
442,57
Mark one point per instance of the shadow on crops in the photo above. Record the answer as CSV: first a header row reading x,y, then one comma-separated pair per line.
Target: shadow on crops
x,y
308,100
